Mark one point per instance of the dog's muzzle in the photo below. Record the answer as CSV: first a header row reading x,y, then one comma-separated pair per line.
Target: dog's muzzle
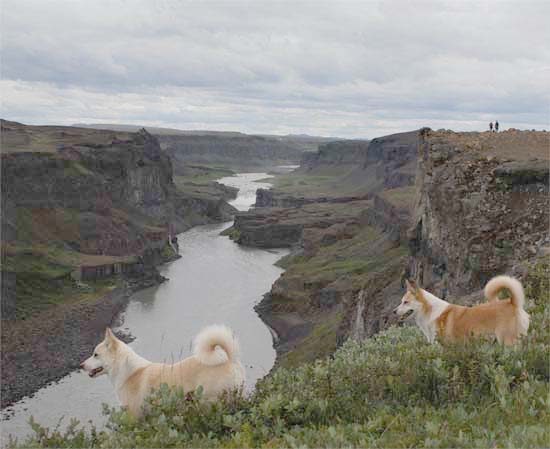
x,y
95,371
405,315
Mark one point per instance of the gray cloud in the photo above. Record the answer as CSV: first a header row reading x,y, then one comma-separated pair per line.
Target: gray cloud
x,y
355,69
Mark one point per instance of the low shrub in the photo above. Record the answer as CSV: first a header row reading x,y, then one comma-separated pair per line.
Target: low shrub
x,y
393,390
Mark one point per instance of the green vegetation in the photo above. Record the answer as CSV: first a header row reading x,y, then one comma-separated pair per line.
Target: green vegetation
x,y
42,263
365,253
199,181
36,293
393,390
168,252
232,233
202,174
318,343
327,183
401,197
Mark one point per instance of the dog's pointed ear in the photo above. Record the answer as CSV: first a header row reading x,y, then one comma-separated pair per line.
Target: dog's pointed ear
x,y
110,338
411,286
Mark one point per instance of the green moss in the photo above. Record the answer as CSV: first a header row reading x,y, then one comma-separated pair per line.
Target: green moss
x,y
320,342
168,252
30,262
231,232
36,293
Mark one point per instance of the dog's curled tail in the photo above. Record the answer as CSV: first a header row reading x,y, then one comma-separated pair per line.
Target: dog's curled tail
x,y
215,345
495,285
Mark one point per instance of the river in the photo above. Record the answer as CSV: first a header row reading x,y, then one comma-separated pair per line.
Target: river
x,y
215,281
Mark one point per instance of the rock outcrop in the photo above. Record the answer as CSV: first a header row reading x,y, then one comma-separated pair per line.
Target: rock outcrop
x,y
340,153
393,158
477,213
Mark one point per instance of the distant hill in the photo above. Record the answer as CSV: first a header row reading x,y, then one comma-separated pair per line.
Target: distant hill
x,y
157,130
223,148
199,132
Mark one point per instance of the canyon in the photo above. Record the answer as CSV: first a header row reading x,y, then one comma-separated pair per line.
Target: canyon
x,y
87,216
447,209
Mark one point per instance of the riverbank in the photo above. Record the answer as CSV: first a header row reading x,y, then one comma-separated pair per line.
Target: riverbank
x,y
48,346
213,280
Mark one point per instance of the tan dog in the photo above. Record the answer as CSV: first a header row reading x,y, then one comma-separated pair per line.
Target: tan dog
x,y
214,366
506,319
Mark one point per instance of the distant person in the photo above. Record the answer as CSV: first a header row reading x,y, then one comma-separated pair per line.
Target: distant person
x,y
491,126
496,126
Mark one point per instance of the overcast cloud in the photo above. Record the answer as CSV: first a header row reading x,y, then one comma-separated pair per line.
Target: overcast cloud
x,y
350,69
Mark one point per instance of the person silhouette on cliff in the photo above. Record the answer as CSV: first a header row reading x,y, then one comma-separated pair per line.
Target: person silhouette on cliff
x,y
491,126
496,126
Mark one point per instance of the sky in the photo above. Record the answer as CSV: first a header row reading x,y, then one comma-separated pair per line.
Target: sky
x,y
356,69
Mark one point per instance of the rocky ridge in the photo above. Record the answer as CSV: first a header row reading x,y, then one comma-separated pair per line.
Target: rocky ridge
x,y
238,151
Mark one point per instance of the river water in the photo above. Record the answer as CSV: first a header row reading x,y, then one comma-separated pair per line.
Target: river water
x,y
215,281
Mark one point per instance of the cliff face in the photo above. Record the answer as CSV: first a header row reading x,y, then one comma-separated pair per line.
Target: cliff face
x,y
481,206
476,213
238,151
87,198
98,187
393,158
335,153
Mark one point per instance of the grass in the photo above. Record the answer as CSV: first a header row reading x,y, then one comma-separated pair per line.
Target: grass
x,y
199,174
319,342
43,254
366,252
401,197
199,182
393,390
36,293
306,185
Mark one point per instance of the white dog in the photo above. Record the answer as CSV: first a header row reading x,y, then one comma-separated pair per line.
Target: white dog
x,y
214,366
506,319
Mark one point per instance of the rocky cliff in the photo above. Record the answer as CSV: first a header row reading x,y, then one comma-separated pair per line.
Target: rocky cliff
x,y
338,153
477,212
92,198
238,151
481,207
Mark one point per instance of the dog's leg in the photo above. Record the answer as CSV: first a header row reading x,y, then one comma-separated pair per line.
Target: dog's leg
x,y
504,336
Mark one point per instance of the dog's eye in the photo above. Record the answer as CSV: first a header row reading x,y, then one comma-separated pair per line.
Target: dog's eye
x,y
95,355
405,302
